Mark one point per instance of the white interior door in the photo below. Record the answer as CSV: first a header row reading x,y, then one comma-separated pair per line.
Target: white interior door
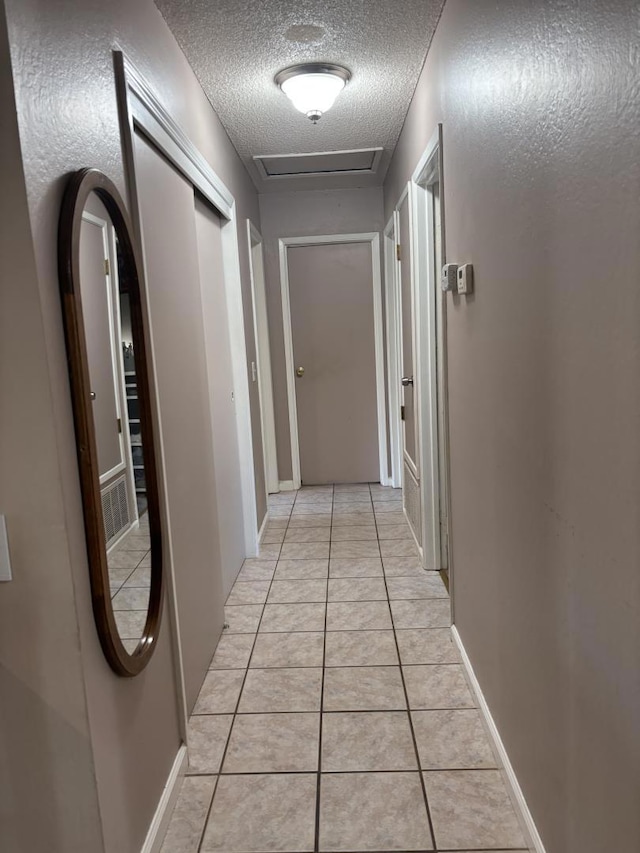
x,y
97,276
331,298
409,376
430,323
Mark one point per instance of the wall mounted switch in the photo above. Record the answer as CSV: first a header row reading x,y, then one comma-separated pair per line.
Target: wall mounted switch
x,y
465,279
448,278
5,562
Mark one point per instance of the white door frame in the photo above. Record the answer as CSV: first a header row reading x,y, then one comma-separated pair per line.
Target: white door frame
x,y
140,109
392,292
326,239
425,286
263,362
407,252
146,113
107,232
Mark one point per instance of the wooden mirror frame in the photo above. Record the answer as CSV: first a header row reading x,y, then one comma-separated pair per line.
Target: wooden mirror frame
x,y
81,185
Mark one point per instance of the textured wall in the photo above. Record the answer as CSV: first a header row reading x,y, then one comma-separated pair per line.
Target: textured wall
x,y
63,70
304,214
48,797
541,106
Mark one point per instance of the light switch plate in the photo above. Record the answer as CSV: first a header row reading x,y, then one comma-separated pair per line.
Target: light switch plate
x,y
465,279
448,278
5,562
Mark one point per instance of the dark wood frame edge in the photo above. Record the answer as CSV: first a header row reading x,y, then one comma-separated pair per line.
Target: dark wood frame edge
x,y
80,185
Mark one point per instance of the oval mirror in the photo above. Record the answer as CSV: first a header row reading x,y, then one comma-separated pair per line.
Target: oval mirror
x,y
109,373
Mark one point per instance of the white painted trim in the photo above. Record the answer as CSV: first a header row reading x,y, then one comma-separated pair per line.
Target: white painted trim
x,y
327,239
263,361
128,132
407,252
424,287
393,356
235,314
115,346
151,116
162,816
379,357
124,406
289,365
146,113
287,486
263,528
532,836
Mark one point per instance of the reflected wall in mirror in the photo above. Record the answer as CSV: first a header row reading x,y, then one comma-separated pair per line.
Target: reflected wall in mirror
x,y
109,373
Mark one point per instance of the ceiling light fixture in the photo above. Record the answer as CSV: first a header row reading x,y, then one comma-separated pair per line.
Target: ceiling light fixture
x,y
313,87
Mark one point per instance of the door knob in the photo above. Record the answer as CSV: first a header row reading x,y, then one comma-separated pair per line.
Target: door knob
x,y
300,371
406,380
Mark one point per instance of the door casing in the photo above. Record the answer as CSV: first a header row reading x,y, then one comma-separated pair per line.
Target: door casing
x,y
429,351
392,315
263,357
427,290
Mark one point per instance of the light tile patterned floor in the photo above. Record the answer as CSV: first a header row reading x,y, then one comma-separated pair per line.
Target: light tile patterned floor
x,y
129,565
336,715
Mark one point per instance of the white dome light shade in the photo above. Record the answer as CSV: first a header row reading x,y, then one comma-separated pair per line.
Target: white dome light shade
x,y
313,89
313,93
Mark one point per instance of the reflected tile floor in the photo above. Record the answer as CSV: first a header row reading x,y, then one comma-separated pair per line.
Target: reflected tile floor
x,y
129,563
336,715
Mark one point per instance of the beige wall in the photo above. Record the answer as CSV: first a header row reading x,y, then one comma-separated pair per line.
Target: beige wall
x,y
540,106
48,797
304,214
62,701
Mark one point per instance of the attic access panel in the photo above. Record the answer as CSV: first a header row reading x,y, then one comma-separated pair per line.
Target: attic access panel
x,y
363,161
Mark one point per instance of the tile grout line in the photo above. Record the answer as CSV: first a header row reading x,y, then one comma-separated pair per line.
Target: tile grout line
x,y
348,772
406,696
352,711
316,841
235,713
134,569
324,667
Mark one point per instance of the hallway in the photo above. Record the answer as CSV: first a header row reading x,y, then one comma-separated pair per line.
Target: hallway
x,y
387,245
335,680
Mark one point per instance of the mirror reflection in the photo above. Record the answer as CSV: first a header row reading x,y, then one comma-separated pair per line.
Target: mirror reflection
x,y
114,382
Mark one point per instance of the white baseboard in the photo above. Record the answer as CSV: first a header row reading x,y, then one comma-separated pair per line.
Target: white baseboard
x,y
530,830
265,521
160,822
287,485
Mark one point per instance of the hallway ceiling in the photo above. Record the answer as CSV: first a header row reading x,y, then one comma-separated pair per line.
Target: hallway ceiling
x,y
237,46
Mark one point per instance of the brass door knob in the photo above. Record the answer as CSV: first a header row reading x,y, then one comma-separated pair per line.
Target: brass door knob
x,y
300,371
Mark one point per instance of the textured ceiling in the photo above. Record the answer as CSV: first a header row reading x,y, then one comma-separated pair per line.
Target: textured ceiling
x,y
237,46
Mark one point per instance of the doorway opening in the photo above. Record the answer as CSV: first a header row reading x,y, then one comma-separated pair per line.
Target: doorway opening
x,y
261,368
419,358
334,351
